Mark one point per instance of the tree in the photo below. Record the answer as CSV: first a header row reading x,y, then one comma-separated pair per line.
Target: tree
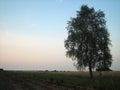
x,y
88,40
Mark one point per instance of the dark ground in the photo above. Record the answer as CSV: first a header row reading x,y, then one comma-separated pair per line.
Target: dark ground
x,y
11,80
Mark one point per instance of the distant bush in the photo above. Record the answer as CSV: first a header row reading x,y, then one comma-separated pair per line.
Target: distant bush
x,y
1,69
55,71
46,71
103,69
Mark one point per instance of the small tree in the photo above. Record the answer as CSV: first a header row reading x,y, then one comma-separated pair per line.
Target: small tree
x,y
88,40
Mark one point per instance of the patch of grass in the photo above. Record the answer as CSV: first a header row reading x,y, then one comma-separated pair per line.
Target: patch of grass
x,y
5,81
108,80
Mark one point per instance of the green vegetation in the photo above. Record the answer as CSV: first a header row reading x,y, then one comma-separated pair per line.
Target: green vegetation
x,y
11,80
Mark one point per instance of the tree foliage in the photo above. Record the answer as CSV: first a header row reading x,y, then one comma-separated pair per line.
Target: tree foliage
x,y
88,39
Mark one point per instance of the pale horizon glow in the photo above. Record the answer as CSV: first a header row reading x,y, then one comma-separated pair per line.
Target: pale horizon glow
x,y
32,33
31,52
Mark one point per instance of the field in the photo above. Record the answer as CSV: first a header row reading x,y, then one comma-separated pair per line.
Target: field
x,y
21,80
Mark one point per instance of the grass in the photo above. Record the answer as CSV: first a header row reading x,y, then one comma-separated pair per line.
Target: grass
x,y
59,80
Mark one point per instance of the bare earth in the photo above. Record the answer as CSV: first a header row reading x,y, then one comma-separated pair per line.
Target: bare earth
x,y
43,85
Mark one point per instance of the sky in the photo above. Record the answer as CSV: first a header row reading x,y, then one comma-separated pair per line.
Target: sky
x,y
32,32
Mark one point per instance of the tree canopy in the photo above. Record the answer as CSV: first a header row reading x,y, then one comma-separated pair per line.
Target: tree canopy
x,y
88,40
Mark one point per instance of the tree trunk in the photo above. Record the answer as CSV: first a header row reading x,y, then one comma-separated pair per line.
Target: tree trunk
x,y
90,70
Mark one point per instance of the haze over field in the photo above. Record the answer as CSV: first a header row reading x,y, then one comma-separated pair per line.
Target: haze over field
x,y
32,32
